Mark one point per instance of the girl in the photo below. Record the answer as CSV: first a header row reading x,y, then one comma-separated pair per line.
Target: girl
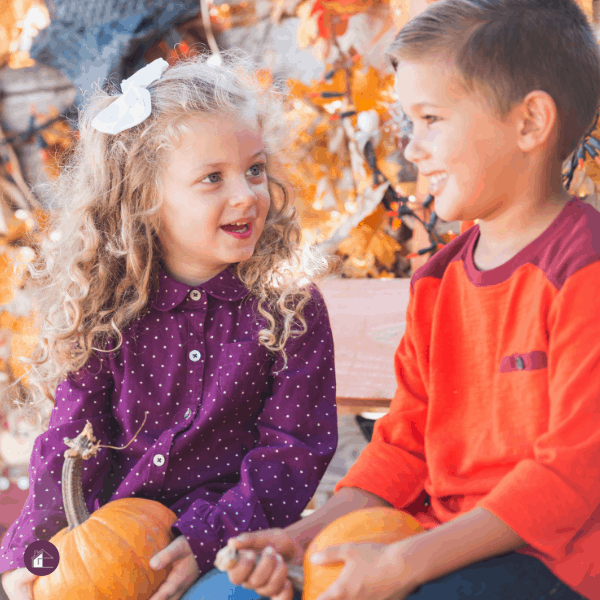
x,y
171,287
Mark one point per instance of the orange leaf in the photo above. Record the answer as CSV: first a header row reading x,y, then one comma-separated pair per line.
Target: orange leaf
x,y
265,77
298,90
367,88
347,7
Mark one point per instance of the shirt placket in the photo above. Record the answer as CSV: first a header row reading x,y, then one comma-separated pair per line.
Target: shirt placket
x,y
194,355
195,307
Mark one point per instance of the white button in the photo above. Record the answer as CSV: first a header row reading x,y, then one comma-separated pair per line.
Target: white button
x,y
195,295
159,460
188,413
23,482
195,355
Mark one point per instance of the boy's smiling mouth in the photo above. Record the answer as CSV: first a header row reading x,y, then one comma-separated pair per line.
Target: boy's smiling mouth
x,y
436,182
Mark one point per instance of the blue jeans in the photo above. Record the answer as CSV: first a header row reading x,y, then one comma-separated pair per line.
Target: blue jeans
x,y
215,585
512,576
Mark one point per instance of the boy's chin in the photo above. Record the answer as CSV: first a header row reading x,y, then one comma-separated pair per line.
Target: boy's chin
x,y
449,212
447,215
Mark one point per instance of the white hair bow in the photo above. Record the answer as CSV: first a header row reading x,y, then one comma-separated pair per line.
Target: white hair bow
x,y
133,106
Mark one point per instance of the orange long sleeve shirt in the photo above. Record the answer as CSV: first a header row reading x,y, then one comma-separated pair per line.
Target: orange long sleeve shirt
x,y
498,398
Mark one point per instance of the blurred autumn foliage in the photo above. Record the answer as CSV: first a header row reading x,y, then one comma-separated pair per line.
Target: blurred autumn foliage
x,y
339,194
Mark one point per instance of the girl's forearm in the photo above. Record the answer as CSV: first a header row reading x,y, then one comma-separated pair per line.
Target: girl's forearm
x,y
475,536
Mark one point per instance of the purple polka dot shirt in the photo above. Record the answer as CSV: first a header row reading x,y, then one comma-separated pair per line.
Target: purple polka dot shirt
x,y
228,445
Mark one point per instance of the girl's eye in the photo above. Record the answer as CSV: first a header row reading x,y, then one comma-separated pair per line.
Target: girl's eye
x,y
260,166
430,117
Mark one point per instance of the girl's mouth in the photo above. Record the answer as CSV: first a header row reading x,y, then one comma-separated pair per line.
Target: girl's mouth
x,y
241,232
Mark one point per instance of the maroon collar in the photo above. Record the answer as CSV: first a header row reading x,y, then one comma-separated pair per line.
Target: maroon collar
x,y
225,286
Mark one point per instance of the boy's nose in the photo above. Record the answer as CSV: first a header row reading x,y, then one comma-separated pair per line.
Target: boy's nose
x,y
412,152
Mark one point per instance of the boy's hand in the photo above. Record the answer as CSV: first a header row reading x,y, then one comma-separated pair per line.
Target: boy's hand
x,y
371,572
183,574
18,584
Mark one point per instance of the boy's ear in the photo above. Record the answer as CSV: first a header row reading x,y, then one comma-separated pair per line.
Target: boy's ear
x,y
537,121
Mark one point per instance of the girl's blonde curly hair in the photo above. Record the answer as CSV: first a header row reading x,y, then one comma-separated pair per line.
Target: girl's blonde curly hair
x,y
97,273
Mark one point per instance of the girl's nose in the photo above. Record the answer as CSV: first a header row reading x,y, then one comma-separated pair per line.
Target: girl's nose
x,y
243,191
244,196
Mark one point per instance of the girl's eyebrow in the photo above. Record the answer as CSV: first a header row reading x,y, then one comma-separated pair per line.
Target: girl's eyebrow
x,y
220,164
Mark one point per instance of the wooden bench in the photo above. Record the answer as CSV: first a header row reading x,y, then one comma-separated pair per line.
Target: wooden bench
x,y
368,317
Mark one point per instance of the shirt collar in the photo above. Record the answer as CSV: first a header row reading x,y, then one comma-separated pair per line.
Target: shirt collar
x,y
225,286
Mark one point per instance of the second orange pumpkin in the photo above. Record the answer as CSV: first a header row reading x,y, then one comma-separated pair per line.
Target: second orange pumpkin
x,y
380,525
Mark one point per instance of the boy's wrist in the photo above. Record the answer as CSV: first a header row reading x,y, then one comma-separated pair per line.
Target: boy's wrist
x,y
411,567
299,537
474,536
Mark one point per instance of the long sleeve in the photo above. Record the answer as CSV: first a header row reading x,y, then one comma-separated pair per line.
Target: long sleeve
x,y
547,498
392,466
297,438
84,396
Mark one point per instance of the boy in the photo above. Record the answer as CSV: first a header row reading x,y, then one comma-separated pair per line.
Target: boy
x,y
493,437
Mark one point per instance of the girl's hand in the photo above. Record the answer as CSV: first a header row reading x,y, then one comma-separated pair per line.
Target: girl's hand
x,y
371,572
268,577
18,584
183,574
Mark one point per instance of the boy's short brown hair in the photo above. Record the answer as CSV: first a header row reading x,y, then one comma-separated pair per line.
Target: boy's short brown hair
x,y
504,49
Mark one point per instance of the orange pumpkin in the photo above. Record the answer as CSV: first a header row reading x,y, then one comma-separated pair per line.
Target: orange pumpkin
x,y
104,556
380,525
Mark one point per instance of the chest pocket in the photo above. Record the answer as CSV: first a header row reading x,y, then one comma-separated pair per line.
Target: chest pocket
x,y
529,361
244,370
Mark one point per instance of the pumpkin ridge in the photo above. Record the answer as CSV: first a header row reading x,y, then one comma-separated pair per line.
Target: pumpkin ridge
x,y
153,526
155,544
72,550
101,582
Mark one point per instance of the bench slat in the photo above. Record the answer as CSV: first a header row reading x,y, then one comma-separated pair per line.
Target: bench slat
x,y
368,318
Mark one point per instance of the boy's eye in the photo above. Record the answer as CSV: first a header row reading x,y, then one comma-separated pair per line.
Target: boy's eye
x,y
260,166
407,126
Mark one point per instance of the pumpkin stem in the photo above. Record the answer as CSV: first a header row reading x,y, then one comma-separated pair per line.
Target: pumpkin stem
x,y
82,448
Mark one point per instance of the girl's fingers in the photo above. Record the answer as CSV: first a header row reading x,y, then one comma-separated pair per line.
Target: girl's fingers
x,y
239,573
286,594
269,576
277,538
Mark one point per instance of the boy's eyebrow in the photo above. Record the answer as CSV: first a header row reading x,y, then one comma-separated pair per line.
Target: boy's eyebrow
x,y
421,104
220,164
